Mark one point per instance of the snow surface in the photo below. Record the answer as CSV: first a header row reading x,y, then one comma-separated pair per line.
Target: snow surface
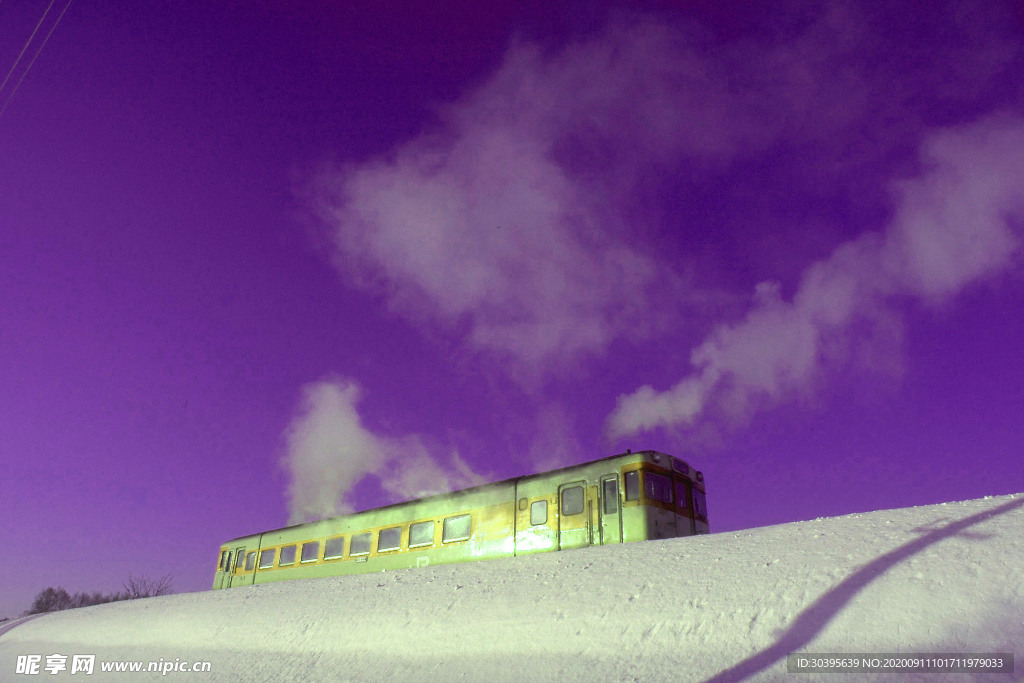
x,y
726,607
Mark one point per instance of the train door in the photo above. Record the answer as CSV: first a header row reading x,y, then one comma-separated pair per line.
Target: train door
x,y
684,511
610,510
576,503
237,565
224,569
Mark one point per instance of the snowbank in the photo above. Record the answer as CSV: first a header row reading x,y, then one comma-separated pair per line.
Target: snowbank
x,y
940,578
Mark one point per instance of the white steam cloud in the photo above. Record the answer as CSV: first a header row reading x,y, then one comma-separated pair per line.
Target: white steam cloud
x,y
528,217
957,223
479,220
511,216
329,451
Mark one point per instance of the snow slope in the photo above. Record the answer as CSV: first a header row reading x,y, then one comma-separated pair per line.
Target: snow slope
x,y
725,607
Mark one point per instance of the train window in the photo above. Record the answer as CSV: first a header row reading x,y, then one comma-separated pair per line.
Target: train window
x,y
700,505
658,487
389,539
681,496
611,496
250,560
310,551
267,558
455,529
632,480
223,556
334,548
287,556
421,533
538,512
360,544
572,500
227,563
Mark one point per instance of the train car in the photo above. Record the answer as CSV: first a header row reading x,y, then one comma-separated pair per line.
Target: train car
x,y
621,498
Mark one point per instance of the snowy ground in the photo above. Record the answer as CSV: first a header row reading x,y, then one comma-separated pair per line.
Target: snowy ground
x,y
727,607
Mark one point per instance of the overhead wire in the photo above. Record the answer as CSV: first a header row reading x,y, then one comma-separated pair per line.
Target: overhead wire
x,y
27,43
35,56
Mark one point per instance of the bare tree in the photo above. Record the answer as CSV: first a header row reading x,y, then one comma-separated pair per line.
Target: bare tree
x,y
50,600
55,599
143,587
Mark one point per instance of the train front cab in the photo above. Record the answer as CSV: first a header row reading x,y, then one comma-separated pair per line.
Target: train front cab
x,y
663,497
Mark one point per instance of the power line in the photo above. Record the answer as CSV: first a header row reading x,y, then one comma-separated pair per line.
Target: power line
x,y
27,43
35,56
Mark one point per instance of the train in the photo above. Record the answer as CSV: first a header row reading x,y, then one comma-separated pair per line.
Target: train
x,y
632,496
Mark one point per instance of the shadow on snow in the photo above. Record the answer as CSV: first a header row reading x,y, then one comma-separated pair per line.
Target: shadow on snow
x,y
814,619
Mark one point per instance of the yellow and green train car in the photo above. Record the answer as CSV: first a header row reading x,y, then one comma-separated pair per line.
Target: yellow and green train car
x,y
621,498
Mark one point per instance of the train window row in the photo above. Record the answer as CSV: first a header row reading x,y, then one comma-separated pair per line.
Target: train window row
x,y
421,534
656,487
660,487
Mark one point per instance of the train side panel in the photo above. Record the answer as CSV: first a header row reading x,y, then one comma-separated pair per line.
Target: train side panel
x,y
630,497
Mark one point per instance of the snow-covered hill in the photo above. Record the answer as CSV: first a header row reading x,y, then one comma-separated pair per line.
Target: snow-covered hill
x,y
941,578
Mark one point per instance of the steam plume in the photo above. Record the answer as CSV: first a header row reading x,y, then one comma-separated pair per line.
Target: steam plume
x,y
510,216
957,223
329,451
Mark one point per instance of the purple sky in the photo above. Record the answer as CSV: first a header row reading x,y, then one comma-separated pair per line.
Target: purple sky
x,y
258,265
